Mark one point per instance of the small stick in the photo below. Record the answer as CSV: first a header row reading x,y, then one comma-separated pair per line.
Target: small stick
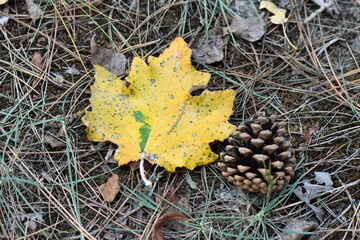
x,y
324,6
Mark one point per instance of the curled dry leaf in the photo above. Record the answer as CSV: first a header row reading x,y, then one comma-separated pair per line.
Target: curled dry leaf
x,y
110,189
279,14
209,48
157,232
34,10
296,229
107,58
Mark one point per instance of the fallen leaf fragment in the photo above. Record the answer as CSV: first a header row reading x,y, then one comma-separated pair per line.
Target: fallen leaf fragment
x,y
323,178
73,70
54,142
153,115
58,79
110,189
245,22
279,14
5,18
37,59
209,48
157,232
3,2
107,58
31,220
313,191
277,18
34,10
296,229
250,29
192,184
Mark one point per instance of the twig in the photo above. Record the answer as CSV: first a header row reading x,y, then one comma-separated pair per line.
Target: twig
x,y
323,6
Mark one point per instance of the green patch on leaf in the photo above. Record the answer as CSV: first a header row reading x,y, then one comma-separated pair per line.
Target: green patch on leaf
x,y
144,130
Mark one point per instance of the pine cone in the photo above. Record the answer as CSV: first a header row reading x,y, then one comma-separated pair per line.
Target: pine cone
x,y
258,156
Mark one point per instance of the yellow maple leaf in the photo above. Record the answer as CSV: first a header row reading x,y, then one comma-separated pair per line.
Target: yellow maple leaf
x,y
156,116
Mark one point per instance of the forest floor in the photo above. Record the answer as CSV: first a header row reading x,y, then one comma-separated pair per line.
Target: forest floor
x,y
306,71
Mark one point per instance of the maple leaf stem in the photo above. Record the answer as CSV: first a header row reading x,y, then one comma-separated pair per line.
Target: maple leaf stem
x,y
142,172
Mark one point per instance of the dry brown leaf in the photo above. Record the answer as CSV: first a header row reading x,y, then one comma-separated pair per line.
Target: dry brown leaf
x,y
54,142
37,59
209,49
34,10
250,29
157,232
245,22
110,189
3,2
107,58
295,229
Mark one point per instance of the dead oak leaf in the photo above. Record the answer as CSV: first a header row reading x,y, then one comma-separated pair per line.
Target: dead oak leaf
x,y
110,189
153,115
